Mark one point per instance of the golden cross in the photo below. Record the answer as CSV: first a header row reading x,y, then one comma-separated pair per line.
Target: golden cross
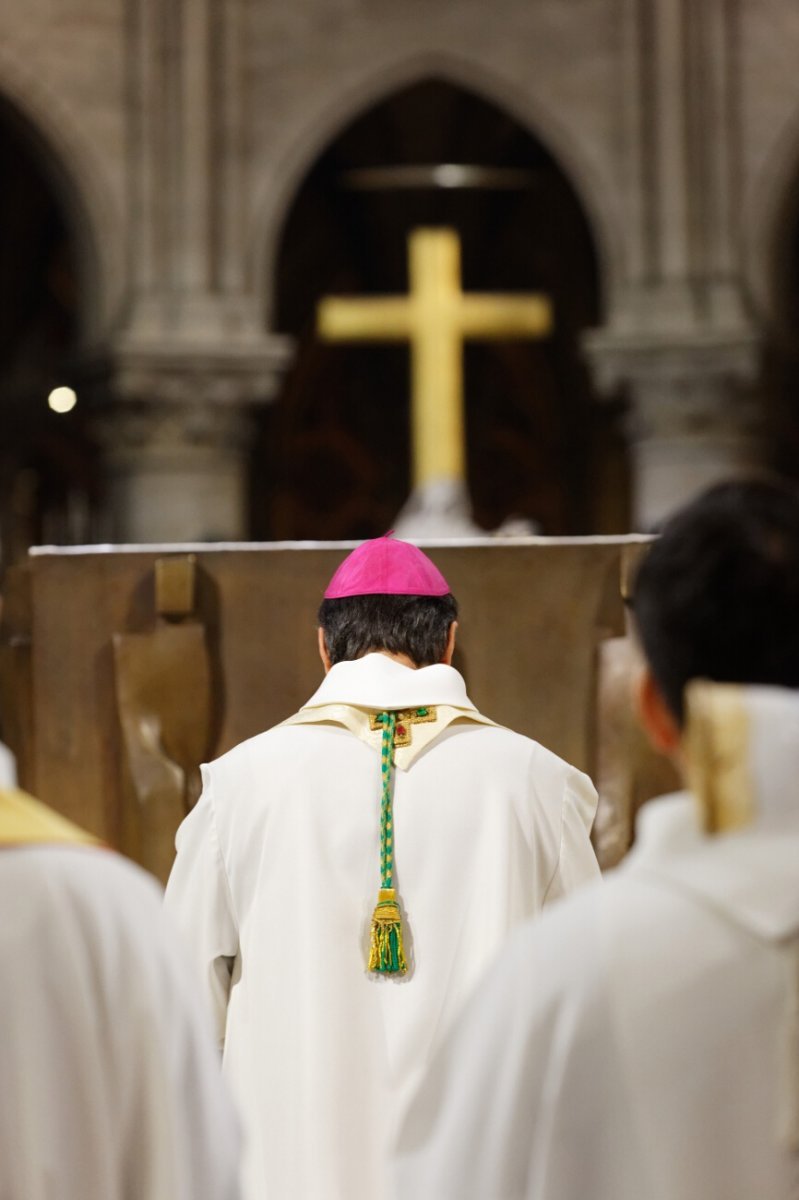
x,y
436,318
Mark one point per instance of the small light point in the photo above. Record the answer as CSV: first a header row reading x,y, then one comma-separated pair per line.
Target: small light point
x,y
62,399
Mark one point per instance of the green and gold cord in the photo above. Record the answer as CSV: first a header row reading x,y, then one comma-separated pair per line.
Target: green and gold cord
x,y
386,955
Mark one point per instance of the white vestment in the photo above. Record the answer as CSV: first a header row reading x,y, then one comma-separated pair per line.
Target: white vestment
x,y
109,1084
276,879
641,1042
8,767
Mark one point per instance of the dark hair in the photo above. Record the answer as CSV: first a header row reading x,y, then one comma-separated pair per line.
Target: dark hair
x,y
717,596
413,625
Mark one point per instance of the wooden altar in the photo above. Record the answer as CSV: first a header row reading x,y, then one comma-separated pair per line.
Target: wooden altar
x,y
123,667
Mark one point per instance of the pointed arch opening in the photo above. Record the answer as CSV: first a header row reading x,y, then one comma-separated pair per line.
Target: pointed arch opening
x,y
332,459
780,413
48,477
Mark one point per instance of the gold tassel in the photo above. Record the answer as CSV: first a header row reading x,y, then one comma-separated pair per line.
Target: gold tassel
x,y
386,954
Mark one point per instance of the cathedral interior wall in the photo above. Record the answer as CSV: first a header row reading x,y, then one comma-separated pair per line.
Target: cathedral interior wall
x,y
185,131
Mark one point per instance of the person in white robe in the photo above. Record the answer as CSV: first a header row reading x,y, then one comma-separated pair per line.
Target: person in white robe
x,y
642,1040
110,1087
387,786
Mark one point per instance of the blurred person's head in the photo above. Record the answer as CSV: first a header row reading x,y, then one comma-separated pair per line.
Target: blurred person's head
x,y
717,598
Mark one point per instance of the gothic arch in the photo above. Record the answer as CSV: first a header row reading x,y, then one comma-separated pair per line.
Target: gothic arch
x,y
771,214
69,164
336,108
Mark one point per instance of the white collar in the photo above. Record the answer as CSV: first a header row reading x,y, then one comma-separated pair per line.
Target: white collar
x,y
751,876
666,826
378,682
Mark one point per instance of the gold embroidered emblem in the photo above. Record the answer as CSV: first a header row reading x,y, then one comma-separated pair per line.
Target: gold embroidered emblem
x,y
405,722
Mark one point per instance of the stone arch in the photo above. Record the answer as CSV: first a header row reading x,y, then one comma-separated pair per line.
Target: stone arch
x,y
333,112
69,164
321,439
770,270
771,210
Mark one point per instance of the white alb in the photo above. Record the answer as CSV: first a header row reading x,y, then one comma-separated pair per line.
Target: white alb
x,y
276,878
110,1088
642,1041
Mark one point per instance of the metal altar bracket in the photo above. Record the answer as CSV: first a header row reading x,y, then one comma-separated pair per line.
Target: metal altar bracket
x,y
631,555
175,579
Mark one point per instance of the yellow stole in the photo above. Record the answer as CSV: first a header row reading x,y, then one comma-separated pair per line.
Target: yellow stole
x,y
27,822
718,742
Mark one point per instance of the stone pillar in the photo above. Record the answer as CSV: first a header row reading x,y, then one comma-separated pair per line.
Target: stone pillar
x,y
178,385
678,342
679,166
177,431
691,418
176,473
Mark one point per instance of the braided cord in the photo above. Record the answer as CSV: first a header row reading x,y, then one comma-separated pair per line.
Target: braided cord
x,y
389,721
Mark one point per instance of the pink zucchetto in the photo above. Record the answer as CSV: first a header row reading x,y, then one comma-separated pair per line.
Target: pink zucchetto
x,y
386,566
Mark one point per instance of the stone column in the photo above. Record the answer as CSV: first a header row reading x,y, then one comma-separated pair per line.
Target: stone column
x,y
177,431
176,473
692,419
679,165
678,343
178,385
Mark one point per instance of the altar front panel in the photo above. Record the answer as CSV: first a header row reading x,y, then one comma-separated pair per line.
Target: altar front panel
x,y
533,614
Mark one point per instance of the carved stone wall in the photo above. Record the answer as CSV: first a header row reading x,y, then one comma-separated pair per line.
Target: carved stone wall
x,y
183,130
